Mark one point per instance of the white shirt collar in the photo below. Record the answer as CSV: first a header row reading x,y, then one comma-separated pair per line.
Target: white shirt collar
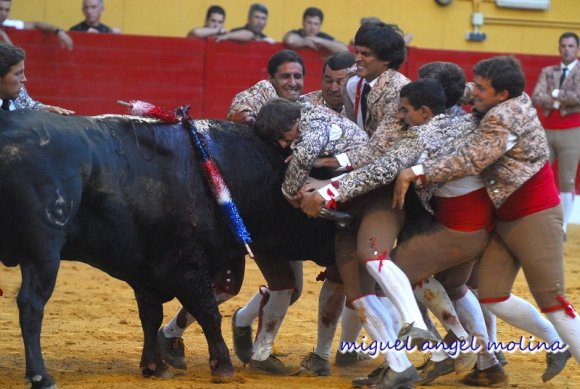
x,y
570,66
372,83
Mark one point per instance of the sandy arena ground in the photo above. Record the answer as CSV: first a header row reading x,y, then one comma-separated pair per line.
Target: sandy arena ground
x,y
92,336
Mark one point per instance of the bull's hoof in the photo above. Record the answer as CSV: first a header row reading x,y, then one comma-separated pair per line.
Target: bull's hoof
x,y
172,350
161,371
41,382
223,379
221,372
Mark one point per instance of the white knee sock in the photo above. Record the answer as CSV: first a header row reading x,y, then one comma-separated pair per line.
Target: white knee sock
x,y
397,288
521,314
330,305
246,315
470,314
490,323
378,326
433,295
393,312
172,330
350,326
270,319
567,199
569,329
490,320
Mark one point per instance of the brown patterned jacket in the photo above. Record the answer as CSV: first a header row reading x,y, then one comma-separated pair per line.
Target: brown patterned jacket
x,y
323,133
314,98
435,138
569,96
253,98
382,123
508,148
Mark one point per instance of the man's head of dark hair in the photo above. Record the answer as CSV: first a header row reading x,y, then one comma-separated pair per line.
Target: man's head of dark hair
x,y
385,40
275,118
451,77
215,9
569,34
425,92
257,7
9,56
282,57
339,60
312,12
504,73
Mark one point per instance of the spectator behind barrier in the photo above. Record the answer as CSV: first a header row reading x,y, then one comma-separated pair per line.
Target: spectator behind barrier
x,y
6,5
252,31
310,36
93,9
213,26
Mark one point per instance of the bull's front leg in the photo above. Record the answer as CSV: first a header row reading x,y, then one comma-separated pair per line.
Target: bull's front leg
x,y
151,315
38,280
200,302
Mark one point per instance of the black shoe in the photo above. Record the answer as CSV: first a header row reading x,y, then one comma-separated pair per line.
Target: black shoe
x,y
501,358
373,378
404,380
433,370
273,365
494,377
314,365
242,336
172,350
350,358
418,336
556,363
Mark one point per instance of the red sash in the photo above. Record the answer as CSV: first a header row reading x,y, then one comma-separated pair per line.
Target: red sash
x,y
469,212
535,195
554,121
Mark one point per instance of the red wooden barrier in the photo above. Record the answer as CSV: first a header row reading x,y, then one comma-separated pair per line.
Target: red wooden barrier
x,y
104,68
174,71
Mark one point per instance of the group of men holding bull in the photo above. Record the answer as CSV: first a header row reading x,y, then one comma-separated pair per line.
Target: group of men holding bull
x,y
483,176
473,172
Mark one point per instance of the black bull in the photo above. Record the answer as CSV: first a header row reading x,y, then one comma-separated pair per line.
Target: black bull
x,y
129,196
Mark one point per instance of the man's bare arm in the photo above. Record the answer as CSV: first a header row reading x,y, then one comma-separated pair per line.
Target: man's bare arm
x,y
63,37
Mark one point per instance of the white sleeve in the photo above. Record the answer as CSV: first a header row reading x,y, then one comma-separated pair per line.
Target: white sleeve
x,y
17,24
